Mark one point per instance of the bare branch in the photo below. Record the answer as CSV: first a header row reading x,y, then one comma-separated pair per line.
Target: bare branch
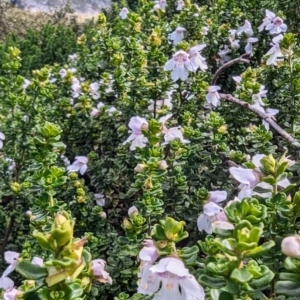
x,y
260,114
242,58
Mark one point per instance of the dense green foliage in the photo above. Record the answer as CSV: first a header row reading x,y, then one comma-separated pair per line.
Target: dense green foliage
x,y
66,159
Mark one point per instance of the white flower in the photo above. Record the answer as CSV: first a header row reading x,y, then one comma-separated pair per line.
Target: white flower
x,y
180,5
94,87
160,103
6,283
290,246
250,178
196,59
63,73
162,4
163,120
246,28
237,79
257,97
276,26
223,55
132,210
249,47
76,87
179,64
205,30
73,57
99,273
213,97
26,83
137,139
270,16
2,138
275,52
10,258
37,261
172,134
234,43
169,279
80,164
11,294
96,111
177,35
211,210
100,199
112,110
123,13
269,111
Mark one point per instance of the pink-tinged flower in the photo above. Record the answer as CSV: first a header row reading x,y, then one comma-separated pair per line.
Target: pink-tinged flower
x,y
163,120
137,139
269,111
10,258
100,199
11,294
179,64
270,16
2,138
234,43
246,28
290,246
180,5
213,97
37,261
251,178
249,45
211,209
80,164
76,87
178,35
96,111
99,273
276,26
132,210
196,59
275,52
173,134
63,73
162,4
94,87
123,13
169,279
258,97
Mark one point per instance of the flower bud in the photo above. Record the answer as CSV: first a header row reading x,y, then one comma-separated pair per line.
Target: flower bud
x,y
140,168
132,211
290,246
103,215
59,219
162,165
127,225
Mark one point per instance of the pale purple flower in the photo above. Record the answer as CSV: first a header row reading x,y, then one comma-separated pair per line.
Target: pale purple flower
x,y
258,97
211,209
132,210
196,59
73,57
76,87
269,111
223,54
169,279
275,52
123,13
178,35
137,139
99,273
180,5
11,294
100,199
213,97
37,261
276,26
96,111
80,164
179,64
246,28
6,283
26,83
2,138
234,43
63,73
270,16
251,178
162,4
249,46
173,134
12,259
94,87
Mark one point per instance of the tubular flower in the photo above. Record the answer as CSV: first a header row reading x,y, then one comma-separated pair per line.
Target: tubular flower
x,y
234,43
177,35
80,164
123,13
270,16
98,271
213,97
180,5
275,52
249,46
246,28
276,26
196,59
